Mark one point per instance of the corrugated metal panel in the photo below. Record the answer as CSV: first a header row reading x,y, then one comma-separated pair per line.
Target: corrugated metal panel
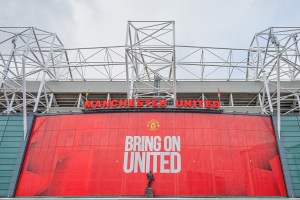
x,y
12,146
290,138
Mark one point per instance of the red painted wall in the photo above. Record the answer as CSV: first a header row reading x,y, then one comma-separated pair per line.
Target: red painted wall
x,y
220,155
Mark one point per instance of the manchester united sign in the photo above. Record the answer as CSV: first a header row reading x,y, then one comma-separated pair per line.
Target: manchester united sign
x,y
150,103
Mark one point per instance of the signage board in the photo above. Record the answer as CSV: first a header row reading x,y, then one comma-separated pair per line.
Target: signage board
x,y
190,154
150,103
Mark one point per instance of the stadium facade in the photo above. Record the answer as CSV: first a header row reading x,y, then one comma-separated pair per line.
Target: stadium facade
x,y
207,121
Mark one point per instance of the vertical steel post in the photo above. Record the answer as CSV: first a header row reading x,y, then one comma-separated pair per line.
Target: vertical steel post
x,y
79,100
127,74
42,84
174,67
264,75
260,103
126,61
25,53
278,95
24,100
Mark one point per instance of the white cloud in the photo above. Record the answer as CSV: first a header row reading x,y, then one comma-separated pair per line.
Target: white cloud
x,y
230,23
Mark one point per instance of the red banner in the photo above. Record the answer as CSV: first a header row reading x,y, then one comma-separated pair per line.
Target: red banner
x,y
190,154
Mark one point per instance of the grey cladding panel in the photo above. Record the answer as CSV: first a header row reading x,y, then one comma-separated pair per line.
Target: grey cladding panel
x,y
12,146
290,132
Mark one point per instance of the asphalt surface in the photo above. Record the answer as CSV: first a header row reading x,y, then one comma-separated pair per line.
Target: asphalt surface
x,y
128,198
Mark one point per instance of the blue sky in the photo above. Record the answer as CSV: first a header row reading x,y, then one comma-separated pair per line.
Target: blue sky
x,y
218,23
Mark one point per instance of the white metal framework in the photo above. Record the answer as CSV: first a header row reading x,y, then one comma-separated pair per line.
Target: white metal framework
x,y
35,68
27,53
150,59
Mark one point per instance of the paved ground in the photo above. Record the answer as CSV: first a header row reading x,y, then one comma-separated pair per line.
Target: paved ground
x,y
122,198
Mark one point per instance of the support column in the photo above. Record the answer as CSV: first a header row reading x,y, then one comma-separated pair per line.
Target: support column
x,y
25,53
42,84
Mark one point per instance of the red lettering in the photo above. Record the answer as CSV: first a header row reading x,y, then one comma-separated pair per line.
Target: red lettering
x,y
139,103
114,103
106,103
194,103
147,102
122,103
88,104
187,103
163,103
207,104
216,104
154,103
97,104
199,102
179,104
131,102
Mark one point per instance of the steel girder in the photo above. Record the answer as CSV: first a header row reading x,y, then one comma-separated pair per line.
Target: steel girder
x,y
150,60
151,66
